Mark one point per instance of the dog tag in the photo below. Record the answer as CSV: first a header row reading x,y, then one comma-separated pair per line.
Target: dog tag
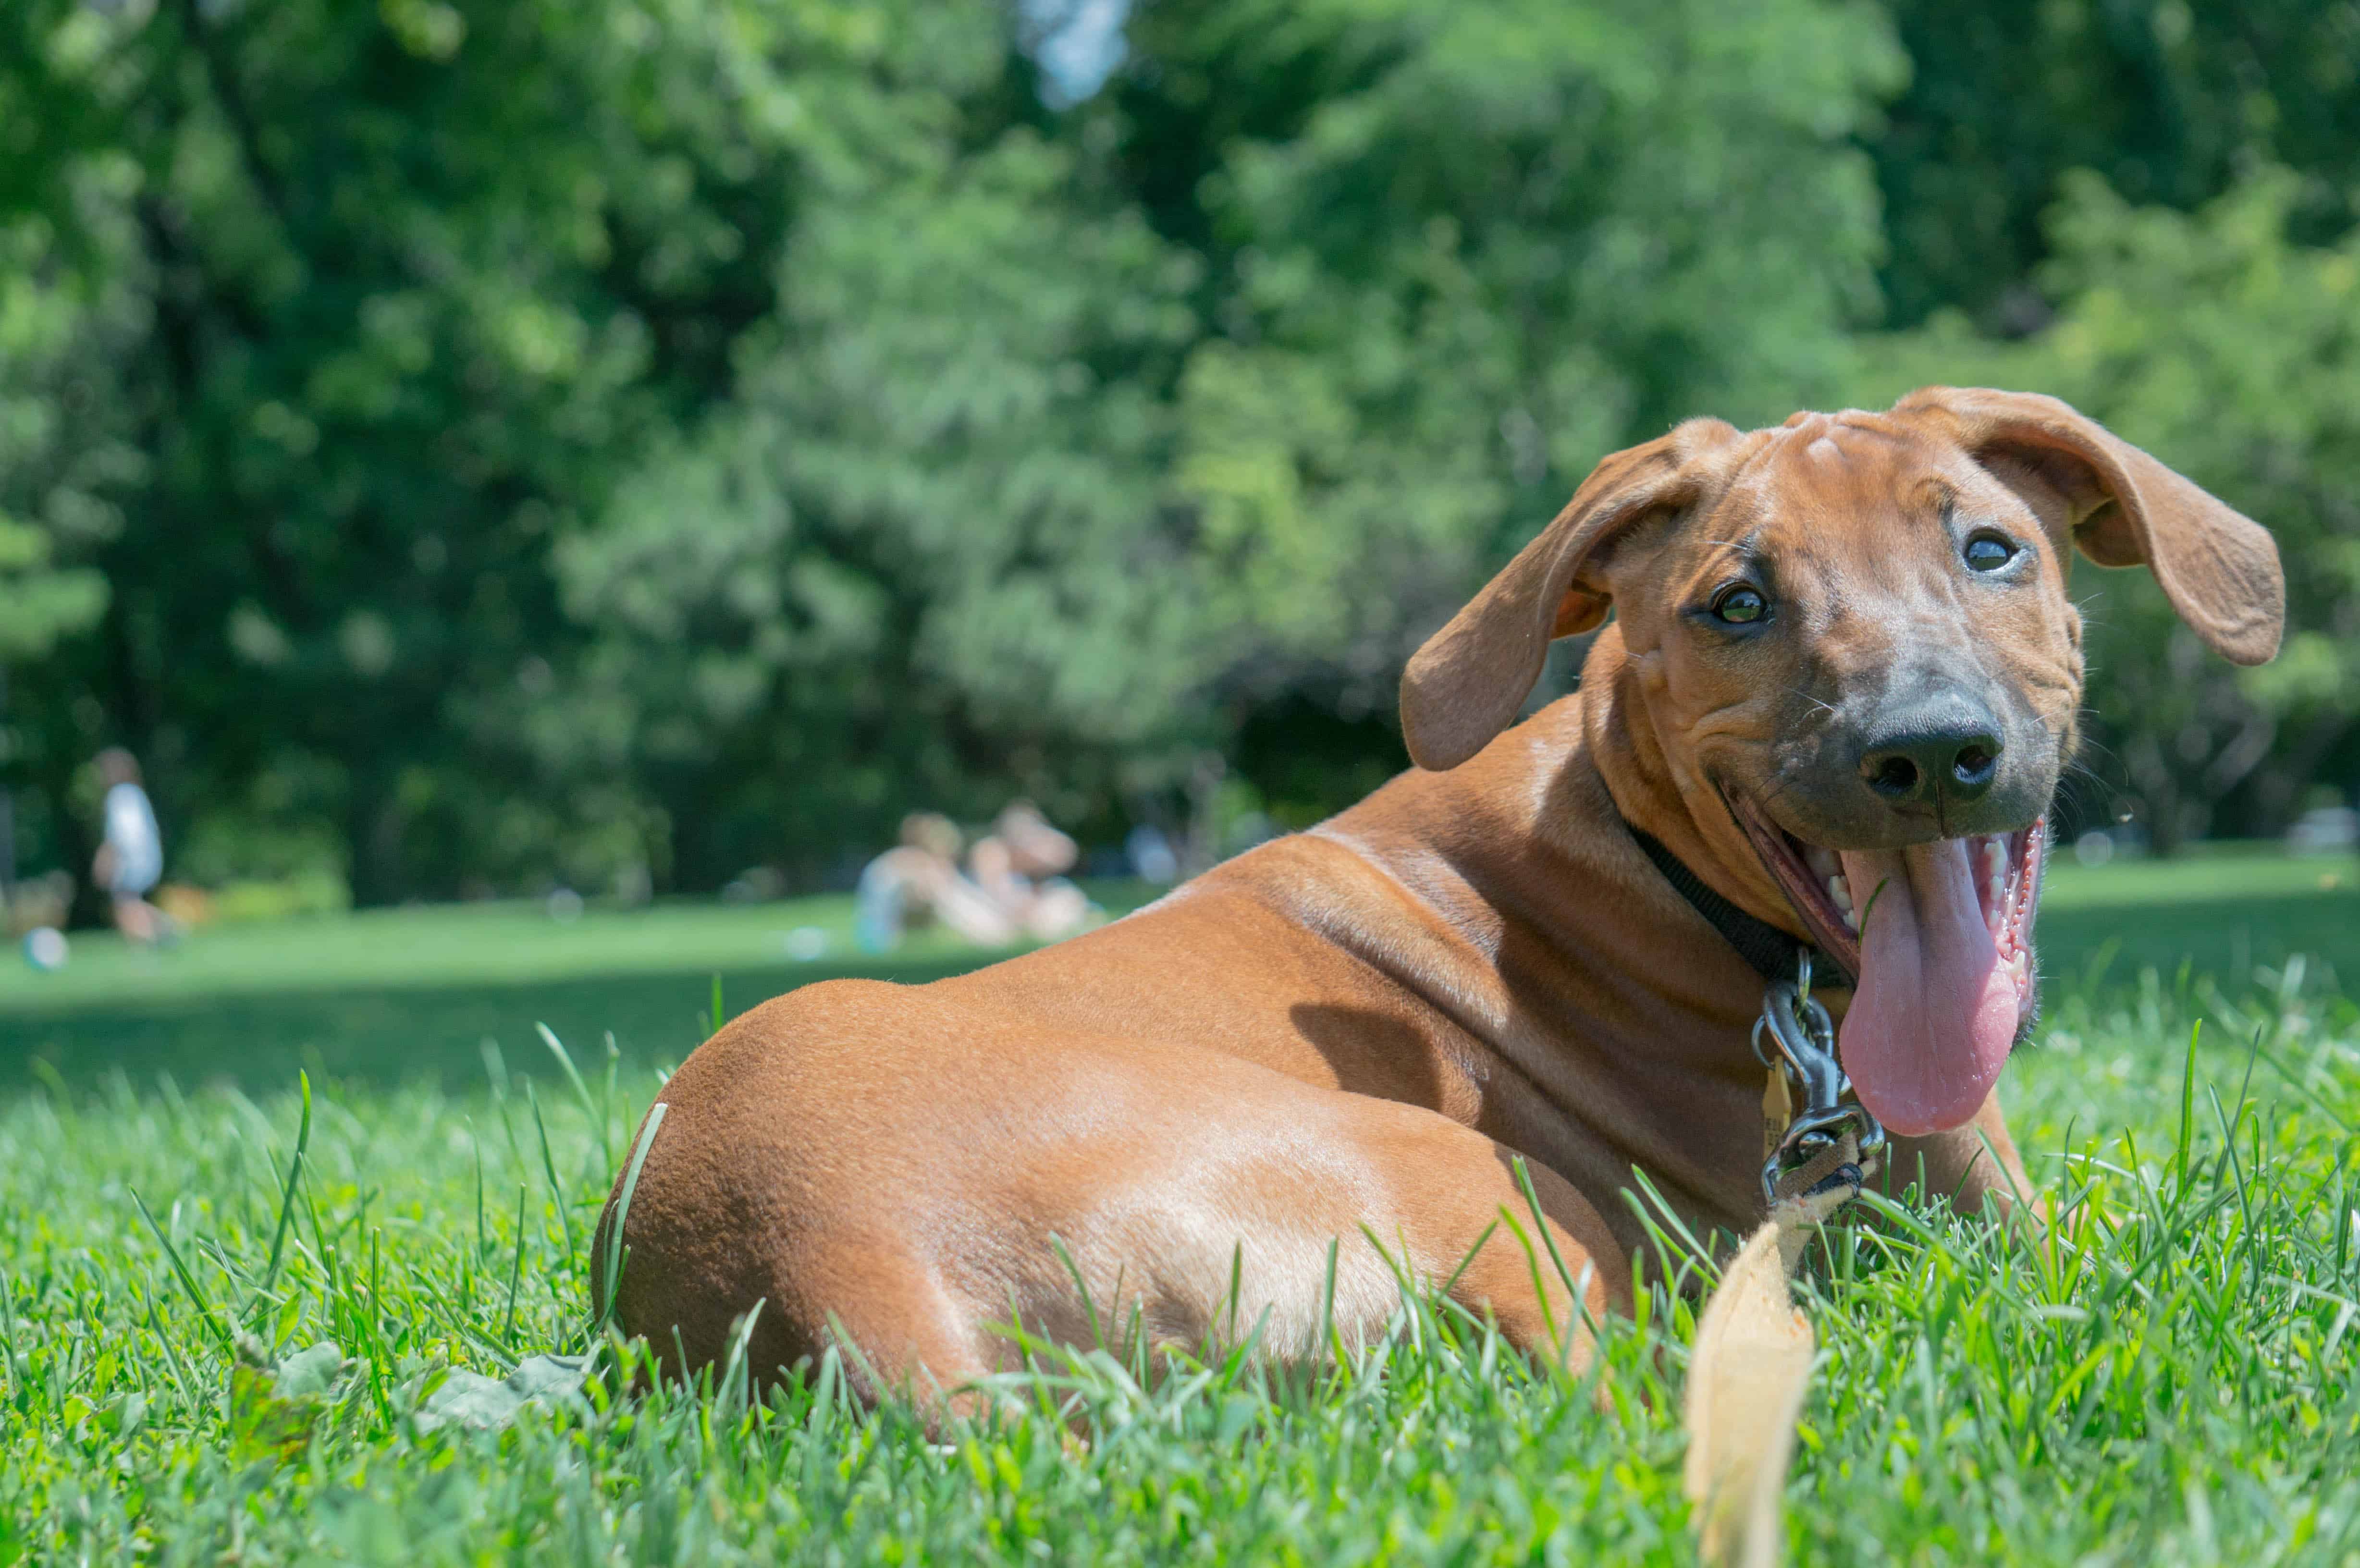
x,y
1777,1111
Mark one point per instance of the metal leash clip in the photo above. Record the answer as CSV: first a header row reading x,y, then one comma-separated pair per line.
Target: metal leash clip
x,y
1805,1039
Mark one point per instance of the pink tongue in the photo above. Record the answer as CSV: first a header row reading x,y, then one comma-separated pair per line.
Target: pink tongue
x,y
1935,1013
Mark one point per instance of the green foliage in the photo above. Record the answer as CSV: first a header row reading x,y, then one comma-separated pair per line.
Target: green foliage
x,y
951,535
2171,101
534,462
39,603
464,448
61,449
2217,342
417,286
919,555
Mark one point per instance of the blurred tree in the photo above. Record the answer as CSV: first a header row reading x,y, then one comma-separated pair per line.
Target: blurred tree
x,y
419,284
60,453
2173,102
2217,342
63,459
919,558
481,442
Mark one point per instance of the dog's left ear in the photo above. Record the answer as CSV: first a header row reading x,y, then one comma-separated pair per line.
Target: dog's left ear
x,y
2218,567
1465,685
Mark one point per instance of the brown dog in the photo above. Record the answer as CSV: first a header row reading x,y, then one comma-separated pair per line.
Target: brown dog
x,y
1844,678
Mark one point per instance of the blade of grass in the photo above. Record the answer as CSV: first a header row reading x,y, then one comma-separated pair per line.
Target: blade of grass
x,y
181,1269
573,1075
549,1168
287,1197
1327,1333
1081,1287
1575,1289
2187,1107
9,1330
516,1277
615,1250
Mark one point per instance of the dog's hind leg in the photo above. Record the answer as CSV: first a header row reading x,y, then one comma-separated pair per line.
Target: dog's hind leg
x,y
898,1331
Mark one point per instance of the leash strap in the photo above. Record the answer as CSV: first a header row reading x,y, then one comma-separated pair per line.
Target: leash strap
x,y
1751,1365
1770,951
1751,1368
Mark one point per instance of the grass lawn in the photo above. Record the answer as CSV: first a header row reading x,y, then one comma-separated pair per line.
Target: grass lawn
x,y
392,995
2172,1376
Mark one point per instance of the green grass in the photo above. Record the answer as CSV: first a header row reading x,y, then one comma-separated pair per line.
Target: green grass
x,y
388,996
2171,1377
435,946
2231,913
397,995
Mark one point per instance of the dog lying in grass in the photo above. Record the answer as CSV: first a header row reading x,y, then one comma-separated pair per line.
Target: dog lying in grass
x,y
1842,679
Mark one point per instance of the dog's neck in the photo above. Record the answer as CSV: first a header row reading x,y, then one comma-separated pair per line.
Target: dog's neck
x,y
1613,1024
1666,795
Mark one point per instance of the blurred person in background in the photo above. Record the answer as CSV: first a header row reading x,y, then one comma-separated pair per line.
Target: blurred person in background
x,y
918,879
1019,866
1152,856
1012,886
131,859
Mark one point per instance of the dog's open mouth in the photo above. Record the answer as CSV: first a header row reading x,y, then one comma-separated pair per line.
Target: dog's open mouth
x,y
1938,937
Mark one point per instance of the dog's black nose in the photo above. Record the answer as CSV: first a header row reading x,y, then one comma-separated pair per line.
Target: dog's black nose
x,y
1947,750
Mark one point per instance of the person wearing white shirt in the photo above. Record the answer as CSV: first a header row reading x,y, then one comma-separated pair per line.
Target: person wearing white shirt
x,y
131,860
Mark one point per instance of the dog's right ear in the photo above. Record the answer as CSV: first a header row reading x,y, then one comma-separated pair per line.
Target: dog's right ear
x,y
1465,685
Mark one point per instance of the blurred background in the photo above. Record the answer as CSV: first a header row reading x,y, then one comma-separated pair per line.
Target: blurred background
x,y
632,448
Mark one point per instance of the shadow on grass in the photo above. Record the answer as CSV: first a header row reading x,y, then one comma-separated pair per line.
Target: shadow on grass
x,y
389,1035
409,1034
2227,937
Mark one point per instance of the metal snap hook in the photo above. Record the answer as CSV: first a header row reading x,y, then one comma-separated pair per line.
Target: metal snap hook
x,y
1805,1037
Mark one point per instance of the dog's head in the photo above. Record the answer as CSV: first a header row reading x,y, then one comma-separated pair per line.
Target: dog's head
x,y
1848,645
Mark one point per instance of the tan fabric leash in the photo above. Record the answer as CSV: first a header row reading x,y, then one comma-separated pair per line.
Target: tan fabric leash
x,y
1750,1364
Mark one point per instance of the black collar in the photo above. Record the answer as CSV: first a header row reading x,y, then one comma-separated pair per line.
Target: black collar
x,y
1770,951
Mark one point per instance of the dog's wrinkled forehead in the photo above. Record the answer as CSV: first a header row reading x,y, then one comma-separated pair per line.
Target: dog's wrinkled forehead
x,y
1851,498
1843,473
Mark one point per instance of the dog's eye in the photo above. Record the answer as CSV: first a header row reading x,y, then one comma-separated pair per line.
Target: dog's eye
x,y
1741,606
1989,552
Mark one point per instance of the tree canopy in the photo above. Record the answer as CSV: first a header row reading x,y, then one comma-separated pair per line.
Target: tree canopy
x,y
472,443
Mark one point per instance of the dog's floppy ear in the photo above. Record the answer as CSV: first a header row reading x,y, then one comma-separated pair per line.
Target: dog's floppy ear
x,y
1465,685
2218,568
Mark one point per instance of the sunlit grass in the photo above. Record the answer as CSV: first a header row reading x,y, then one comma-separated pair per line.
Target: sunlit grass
x,y
2169,1375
